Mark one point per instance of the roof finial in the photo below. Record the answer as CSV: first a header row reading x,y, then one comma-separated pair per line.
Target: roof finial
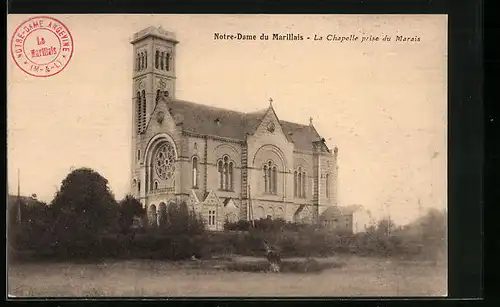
x,y
310,121
270,101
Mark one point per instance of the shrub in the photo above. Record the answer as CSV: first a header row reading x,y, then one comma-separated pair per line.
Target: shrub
x,y
180,220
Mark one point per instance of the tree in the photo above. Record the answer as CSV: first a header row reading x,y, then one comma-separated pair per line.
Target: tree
x,y
385,227
433,228
181,220
130,207
84,205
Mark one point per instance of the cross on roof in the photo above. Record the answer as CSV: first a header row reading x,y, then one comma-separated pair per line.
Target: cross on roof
x,y
270,100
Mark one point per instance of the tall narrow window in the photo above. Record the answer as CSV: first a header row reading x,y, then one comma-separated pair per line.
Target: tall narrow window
x,y
230,181
139,114
226,174
157,95
156,185
162,62
145,59
143,110
211,217
139,186
221,175
275,180
157,55
137,62
168,62
269,177
265,178
327,185
304,182
295,177
142,61
195,172
299,183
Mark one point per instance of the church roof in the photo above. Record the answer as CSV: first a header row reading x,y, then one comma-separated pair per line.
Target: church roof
x,y
207,120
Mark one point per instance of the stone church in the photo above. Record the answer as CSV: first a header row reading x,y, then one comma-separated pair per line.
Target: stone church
x,y
224,164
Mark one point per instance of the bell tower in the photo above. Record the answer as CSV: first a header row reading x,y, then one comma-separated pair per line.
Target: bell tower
x,y
153,76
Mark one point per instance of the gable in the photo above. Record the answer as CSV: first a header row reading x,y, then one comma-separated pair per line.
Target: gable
x,y
230,204
302,136
161,118
270,126
211,199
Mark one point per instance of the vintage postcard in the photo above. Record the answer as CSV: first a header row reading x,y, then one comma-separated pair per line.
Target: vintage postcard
x,y
227,155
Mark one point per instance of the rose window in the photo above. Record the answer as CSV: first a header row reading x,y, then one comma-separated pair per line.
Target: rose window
x,y
165,161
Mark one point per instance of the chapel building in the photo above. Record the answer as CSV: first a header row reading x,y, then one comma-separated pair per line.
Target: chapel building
x,y
224,164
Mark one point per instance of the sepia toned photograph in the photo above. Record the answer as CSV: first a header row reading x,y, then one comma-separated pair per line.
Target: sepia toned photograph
x,y
227,155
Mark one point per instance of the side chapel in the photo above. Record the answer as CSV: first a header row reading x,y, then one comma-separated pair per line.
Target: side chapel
x,y
224,164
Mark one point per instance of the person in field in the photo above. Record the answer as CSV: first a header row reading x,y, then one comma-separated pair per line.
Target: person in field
x,y
273,257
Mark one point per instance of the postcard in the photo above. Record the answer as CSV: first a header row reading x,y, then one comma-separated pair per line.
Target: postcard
x,y
227,155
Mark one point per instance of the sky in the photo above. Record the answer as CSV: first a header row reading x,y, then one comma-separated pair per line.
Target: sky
x,y
383,103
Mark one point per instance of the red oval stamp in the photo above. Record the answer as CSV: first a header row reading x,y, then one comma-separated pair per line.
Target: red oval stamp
x,y
42,46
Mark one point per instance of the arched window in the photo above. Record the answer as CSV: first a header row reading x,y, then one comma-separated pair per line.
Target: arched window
x,y
137,62
139,186
143,110
157,55
168,62
265,178
270,178
275,180
299,183
142,61
295,184
145,59
226,169
230,173
327,185
195,172
156,185
162,57
226,173
221,175
304,182
139,115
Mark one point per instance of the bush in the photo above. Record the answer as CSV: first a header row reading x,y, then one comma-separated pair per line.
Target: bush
x,y
180,220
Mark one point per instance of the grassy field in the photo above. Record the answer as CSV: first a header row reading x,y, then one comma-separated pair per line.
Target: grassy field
x,y
348,276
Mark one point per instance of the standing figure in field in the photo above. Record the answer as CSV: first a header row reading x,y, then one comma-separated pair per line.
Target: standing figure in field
x,y
273,257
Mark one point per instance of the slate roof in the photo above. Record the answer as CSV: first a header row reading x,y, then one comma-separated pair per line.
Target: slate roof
x,y
341,210
207,120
